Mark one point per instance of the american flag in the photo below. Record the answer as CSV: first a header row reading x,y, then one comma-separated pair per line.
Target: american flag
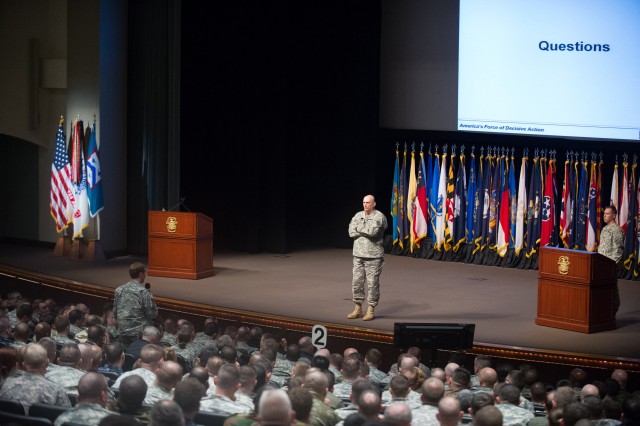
x,y
61,190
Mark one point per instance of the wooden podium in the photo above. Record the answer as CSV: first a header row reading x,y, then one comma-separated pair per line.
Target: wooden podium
x,y
180,245
575,290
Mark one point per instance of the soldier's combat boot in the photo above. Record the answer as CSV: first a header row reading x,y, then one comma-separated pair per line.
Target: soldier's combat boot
x,y
357,312
370,314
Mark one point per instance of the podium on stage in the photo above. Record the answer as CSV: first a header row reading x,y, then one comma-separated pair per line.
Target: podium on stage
x,y
180,245
575,290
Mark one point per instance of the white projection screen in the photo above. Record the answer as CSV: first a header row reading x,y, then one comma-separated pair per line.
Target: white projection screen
x,y
567,68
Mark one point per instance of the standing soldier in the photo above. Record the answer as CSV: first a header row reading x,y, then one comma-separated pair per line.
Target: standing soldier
x,y
133,305
367,230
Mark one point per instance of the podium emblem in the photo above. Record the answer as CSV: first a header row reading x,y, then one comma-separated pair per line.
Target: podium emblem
x,y
172,224
563,265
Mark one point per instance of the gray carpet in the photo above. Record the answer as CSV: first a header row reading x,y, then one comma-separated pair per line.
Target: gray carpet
x,y
315,285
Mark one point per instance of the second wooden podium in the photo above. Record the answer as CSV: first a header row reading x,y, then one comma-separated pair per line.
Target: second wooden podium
x,y
575,290
180,245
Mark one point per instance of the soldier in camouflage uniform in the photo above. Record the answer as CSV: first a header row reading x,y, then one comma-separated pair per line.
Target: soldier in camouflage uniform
x,y
133,305
30,386
223,400
321,414
507,399
167,377
367,230
68,373
151,358
373,357
93,393
432,392
612,246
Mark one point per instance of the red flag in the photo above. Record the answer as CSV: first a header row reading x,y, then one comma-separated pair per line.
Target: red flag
x,y
548,207
623,211
61,196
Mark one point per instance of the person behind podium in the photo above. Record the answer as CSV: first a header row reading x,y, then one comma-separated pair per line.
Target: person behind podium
x,y
612,246
367,230
133,305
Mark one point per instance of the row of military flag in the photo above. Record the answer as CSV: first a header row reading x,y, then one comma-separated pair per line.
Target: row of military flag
x,y
489,209
76,179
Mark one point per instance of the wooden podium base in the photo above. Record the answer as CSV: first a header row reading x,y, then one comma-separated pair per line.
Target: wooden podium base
x,y
575,307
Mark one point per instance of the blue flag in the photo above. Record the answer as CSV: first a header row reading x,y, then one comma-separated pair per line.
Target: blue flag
x,y
394,199
471,197
94,176
460,206
514,203
403,224
583,206
428,185
630,232
534,207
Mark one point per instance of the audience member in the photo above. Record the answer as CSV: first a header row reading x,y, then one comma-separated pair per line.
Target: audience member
x,y
488,416
130,397
68,374
151,358
187,395
114,356
397,414
449,412
275,408
166,413
93,393
223,401
30,386
167,376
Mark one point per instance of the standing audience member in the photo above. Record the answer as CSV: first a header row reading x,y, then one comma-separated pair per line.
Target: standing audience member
x,y
133,305
93,393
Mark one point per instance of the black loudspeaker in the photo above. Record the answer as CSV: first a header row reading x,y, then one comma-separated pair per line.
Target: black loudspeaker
x,y
433,336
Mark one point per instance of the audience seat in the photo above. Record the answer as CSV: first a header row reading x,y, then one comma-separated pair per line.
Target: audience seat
x,y
47,411
209,419
11,406
18,419
129,360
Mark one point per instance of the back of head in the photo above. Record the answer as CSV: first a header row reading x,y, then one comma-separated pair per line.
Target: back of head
x,y
301,402
397,414
631,410
461,378
35,357
131,394
432,391
516,378
594,405
228,377
188,393
538,392
136,269
50,345
465,396
269,354
449,412
169,374
228,354
351,368
150,334
166,413
488,416
479,401
563,396
359,386
118,420
574,412
70,355
274,408
248,377
503,370
293,352
399,386
369,404
373,356
151,354
316,381
509,393
61,323
481,361
200,374
320,362
578,377
114,352
93,387
488,377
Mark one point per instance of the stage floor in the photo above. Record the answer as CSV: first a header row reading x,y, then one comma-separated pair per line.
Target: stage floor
x,y
316,285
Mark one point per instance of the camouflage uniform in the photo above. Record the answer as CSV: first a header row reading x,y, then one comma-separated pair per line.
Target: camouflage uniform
x,y
63,340
222,405
425,415
113,332
322,414
202,341
378,378
29,388
244,399
67,377
345,412
605,422
612,246
368,254
282,368
148,376
393,371
412,400
343,390
133,307
513,415
156,393
84,414
188,354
